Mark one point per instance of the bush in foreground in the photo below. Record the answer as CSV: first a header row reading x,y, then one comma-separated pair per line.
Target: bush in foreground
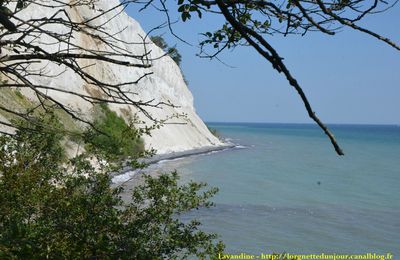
x,y
50,209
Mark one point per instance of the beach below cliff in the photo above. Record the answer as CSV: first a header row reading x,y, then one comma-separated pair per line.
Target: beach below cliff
x,y
128,177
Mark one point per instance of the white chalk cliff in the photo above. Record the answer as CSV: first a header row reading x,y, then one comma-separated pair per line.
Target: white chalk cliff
x,y
165,84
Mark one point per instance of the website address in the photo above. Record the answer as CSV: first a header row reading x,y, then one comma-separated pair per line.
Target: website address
x,y
288,256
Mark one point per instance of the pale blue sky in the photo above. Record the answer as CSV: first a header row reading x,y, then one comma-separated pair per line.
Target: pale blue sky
x,y
349,77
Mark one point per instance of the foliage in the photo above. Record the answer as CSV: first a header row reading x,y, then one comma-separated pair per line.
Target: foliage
x,y
112,136
159,41
253,22
37,49
172,51
175,55
50,210
54,208
214,132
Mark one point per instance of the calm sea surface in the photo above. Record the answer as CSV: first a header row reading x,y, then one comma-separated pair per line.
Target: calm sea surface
x,y
285,190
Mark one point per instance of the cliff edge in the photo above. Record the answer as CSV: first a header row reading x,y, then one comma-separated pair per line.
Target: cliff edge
x,y
164,82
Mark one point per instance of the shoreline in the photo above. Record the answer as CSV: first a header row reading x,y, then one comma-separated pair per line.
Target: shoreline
x,y
171,156
187,153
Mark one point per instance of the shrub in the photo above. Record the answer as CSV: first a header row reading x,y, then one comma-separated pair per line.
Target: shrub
x,y
112,136
172,51
214,132
159,41
69,210
175,55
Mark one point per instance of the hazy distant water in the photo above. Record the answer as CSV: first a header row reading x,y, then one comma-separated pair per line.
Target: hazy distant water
x,y
270,199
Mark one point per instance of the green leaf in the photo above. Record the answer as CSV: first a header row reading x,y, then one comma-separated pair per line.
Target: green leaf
x,y
181,8
180,2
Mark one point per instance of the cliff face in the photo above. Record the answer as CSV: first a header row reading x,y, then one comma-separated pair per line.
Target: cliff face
x,y
165,84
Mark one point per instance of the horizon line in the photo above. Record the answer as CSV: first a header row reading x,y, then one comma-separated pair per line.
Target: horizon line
x,y
298,123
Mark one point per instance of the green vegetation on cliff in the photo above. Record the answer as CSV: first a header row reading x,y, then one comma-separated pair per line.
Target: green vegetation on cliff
x,y
56,209
112,136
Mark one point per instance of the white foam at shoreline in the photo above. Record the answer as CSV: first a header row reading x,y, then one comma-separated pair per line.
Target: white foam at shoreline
x,y
124,177
241,147
170,160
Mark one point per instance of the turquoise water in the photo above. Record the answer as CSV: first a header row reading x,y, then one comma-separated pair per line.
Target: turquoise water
x,y
287,191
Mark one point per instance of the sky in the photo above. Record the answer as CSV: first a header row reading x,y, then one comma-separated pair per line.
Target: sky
x,y
349,78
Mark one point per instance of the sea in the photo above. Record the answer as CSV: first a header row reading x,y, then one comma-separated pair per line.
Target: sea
x,y
282,188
